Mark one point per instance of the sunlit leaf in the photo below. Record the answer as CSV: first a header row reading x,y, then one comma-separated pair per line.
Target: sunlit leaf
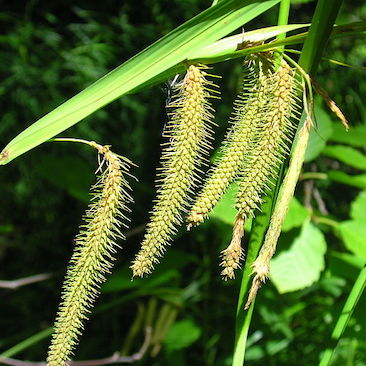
x,y
296,215
353,233
355,136
181,335
358,181
346,155
225,210
300,266
358,207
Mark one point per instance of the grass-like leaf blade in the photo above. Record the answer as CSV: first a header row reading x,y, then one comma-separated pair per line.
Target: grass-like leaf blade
x,y
200,31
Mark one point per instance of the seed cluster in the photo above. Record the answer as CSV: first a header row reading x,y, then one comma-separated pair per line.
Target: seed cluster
x,y
277,105
255,144
93,256
273,134
237,144
189,134
234,253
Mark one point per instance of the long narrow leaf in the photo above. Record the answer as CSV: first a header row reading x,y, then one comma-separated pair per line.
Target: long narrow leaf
x,y
207,27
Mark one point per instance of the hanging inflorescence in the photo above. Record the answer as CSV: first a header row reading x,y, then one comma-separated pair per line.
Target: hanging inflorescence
x,y
93,255
256,143
273,130
261,128
189,135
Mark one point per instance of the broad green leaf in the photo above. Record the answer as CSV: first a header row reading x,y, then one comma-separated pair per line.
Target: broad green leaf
x,y
353,233
300,265
355,136
207,27
319,134
358,181
358,207
296,215
347,155
181,335
5,229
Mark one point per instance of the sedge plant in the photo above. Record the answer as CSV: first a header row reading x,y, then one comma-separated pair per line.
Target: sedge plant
x,y
254,152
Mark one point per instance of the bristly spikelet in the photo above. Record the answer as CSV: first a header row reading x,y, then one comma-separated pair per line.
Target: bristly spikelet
x,y
189,134
236,145
272,137
93,255
279,105
234,253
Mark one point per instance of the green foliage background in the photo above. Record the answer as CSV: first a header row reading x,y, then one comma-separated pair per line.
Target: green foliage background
x,y
51,50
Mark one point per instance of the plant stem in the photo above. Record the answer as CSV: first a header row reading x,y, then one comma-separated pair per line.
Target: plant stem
x,y
313,175
345,316
326,221
321,26
243,317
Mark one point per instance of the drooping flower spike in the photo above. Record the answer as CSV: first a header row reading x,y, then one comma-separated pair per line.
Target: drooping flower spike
x,y
279,108
238,142
189,134
94,253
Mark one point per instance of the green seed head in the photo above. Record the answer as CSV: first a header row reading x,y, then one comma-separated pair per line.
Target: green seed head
x,y
233,254
92,258
237,144
273,133
189,134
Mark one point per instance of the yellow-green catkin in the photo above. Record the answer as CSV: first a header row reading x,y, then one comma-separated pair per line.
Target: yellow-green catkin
x,y
274,132
93,255
236,145
189,134
278,107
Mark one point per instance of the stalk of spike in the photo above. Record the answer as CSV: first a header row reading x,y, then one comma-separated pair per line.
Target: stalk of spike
x,y
93,255
279,106
236,145
189,133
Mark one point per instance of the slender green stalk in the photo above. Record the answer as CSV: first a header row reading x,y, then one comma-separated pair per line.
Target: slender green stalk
x,y
309,60
260,225
283,19
345,316
243,317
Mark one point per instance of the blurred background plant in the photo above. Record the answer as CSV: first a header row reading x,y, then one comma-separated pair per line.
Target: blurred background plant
x,y
51,50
